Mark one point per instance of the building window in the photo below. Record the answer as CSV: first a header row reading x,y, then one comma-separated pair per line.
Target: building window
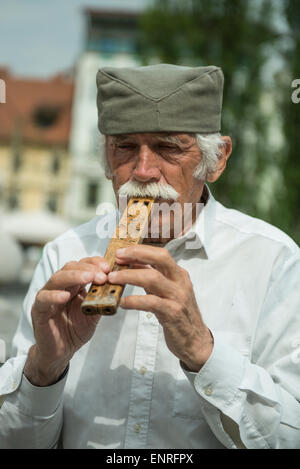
x,y
52,203
55,166
45,116
92,194
16,161
13,201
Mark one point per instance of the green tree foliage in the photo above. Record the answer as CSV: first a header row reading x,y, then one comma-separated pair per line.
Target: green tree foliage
x,y
291,119
240,36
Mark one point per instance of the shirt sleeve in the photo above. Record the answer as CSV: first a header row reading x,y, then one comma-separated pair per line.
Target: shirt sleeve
x,y
259,396
30,416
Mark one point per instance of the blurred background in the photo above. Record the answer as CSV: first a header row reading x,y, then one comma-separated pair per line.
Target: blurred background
x,y
50,174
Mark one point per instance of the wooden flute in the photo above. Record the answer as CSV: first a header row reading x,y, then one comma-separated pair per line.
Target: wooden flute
x,y
104,299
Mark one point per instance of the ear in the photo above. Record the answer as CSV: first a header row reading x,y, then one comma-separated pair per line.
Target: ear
x,y
226,151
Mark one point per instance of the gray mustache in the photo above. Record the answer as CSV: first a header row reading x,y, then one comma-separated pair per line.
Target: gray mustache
x,y
151,189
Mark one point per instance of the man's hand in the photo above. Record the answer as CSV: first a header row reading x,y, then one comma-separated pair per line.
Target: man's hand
x,y
170,297
60,328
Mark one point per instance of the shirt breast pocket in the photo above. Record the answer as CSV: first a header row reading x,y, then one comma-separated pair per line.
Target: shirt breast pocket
x,y
187,403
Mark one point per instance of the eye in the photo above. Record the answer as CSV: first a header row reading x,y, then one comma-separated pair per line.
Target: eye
x,y
168,147
126,146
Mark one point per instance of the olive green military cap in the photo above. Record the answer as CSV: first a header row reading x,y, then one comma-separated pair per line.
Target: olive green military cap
x,y
159,98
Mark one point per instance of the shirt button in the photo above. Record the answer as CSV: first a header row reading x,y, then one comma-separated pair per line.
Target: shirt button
x,y
142,370
149,315
137,428
208,391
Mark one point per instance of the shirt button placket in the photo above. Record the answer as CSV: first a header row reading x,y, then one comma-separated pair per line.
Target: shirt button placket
x,y
142,382
137,428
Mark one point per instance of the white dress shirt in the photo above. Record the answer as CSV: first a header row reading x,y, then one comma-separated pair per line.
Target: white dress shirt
x,y
125,389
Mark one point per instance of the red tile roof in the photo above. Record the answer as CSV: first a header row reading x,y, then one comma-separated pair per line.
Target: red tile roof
x,y
31,104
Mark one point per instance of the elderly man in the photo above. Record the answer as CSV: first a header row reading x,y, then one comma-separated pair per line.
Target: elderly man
x,y
204,349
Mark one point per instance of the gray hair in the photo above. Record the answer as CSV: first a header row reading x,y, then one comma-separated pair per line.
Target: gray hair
x,y
209,144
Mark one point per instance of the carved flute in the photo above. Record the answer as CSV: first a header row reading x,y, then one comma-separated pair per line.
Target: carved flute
x,y
104,299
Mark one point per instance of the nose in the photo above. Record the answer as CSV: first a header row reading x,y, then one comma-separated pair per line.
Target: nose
x,y
147,166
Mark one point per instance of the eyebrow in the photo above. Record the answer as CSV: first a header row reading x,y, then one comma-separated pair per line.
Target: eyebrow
x,y
170,139
119,138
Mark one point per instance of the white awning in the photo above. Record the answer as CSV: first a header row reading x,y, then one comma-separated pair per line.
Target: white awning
x,y
33,227
11,258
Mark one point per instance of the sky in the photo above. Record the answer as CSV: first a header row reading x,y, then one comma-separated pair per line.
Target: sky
x,y
39,38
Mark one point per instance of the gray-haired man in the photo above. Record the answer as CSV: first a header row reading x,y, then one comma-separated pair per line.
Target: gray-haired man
x,y
203,352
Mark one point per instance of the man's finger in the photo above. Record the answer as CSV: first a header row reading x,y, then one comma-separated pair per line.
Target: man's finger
x,y
149,279
50,301
97,261
141,266
95,268
90,264
151,303
159,258
69,278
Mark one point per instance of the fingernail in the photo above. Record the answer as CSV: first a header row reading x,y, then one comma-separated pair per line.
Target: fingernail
x,y
100,277
120,252
86,277
112,276
64,296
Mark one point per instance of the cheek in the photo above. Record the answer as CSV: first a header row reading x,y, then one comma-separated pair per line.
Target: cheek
x,y
118,164
183,181
175,176
121,173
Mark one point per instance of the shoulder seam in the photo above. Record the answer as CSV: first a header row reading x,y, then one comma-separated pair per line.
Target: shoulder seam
x,y
263,235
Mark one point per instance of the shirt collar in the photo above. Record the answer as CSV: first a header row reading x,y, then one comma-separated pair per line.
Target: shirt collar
x,y
199,235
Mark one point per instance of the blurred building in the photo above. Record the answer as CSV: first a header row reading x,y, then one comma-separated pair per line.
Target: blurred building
x,y
111,40
35,126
